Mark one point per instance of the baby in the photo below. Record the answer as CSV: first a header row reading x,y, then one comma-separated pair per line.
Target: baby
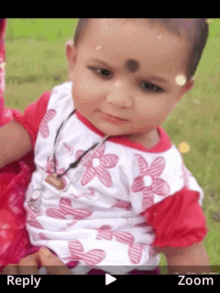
x,y
110,190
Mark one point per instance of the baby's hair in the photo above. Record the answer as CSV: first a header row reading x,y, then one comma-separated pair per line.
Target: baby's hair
x,y
195,30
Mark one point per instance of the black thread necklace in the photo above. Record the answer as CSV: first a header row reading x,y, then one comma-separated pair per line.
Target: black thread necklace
x,y
55,179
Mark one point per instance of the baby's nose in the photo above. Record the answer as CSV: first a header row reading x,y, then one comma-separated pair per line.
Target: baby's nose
x,y
120,95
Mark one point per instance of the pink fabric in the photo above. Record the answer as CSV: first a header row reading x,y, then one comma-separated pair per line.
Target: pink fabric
x,y
14,179
2,63
178,220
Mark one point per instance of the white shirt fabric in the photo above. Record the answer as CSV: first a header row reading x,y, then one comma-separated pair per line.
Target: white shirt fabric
x,y
97,220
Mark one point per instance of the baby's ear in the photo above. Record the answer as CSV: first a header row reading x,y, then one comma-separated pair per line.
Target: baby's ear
x,y
70,55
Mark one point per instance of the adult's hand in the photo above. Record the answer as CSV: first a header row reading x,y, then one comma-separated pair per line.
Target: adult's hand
x,y
29,265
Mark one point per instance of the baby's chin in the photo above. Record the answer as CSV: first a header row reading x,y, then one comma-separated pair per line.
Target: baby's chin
x,y
112,130
116,133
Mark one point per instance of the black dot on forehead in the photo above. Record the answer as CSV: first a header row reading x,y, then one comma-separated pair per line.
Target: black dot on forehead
x,y
132,65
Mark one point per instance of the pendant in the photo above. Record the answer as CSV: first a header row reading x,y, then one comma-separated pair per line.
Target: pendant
x,y
55,181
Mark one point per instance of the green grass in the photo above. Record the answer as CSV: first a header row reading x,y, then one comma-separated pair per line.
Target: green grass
x,y
36,62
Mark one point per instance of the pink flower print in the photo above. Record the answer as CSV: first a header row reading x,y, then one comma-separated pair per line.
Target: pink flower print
x,y
78,214
97,165
122,204
105,232
44,129
135,253
69,149
31,220
50,169
91,258
148,200
149,177
50,165
86,195
55,213
31,217
66,209
42,236
124,237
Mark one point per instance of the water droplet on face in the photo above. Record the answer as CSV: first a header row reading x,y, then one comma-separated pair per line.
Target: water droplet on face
x,y
181,79
98,48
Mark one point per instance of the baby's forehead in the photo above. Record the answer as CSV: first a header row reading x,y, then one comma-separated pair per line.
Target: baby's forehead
x,y
125,35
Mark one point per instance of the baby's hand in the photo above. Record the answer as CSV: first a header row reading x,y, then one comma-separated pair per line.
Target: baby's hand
x,y
29,265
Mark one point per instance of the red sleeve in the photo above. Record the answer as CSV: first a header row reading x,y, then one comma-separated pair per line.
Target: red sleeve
x,y
178,220
33,116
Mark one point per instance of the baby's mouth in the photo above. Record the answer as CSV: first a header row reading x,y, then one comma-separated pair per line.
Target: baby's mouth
x,y
114,117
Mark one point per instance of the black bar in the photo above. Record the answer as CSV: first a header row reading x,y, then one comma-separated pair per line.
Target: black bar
x,y
50,283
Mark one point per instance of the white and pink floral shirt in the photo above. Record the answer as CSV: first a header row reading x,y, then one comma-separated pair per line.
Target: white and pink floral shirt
x,y
128,199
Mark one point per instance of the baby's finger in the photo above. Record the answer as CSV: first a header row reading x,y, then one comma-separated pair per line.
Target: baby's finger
x,y
11,269
29,265
53,265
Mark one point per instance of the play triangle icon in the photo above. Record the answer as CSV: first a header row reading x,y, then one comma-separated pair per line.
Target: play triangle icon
x,y
109,279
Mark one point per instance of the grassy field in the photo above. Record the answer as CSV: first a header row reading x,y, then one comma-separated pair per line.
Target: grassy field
x,y
35,62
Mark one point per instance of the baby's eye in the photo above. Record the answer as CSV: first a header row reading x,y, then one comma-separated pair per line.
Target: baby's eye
x,y
151,87
105,73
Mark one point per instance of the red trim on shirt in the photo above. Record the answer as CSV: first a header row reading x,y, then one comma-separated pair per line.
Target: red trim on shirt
x,y
163,145
33,115
178,220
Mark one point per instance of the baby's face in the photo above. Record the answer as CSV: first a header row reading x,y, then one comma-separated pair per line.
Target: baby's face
x,y
128,70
